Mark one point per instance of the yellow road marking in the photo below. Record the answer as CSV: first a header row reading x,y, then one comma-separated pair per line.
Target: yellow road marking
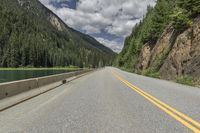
x,y
166,108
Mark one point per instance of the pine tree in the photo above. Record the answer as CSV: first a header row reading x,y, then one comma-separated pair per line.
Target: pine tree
x,y
191,6
161,17
184,13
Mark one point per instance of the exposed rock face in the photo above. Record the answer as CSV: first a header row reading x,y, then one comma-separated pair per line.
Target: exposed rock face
x,y
55,22
174,56
184,58
162,48
144,57
152,55
21,2
24,2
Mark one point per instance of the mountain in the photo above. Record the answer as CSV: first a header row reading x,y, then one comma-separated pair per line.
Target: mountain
x,y
31,35
166,43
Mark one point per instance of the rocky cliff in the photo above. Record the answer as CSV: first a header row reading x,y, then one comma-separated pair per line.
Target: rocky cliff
x,y
184,57
175,55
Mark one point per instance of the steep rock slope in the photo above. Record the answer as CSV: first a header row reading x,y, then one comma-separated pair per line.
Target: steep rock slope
x,y
31,35
158,52
172,56
184,58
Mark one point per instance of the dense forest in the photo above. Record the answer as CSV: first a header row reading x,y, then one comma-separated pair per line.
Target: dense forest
x,y
178,13
32,36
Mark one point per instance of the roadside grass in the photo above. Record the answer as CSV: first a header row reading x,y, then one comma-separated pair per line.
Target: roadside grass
x,y
152,73
186,80
127,70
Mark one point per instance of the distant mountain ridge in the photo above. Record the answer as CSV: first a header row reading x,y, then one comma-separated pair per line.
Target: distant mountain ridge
x,y
32,35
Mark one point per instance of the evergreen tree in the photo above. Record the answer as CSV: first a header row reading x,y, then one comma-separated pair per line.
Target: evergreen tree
x,y
184,13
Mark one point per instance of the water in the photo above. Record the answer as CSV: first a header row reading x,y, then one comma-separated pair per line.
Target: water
x,y
13,75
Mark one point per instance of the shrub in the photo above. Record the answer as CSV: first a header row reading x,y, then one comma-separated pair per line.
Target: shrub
x,y
185,80
152,73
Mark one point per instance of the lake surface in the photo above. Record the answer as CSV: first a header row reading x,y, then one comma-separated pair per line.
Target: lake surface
x,y
13,75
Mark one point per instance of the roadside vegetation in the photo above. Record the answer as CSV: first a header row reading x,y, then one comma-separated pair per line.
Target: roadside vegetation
x,y
152,73
186,80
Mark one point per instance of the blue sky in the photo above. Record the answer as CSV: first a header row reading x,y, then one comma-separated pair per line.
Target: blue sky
x,y
108,21
61,4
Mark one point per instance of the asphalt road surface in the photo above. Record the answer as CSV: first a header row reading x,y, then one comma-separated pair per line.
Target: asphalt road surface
x,y
108,101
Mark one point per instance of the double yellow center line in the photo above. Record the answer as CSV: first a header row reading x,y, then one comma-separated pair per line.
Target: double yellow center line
x,y
182,118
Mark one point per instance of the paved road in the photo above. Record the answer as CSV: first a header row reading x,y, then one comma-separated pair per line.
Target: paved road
x,y
106,101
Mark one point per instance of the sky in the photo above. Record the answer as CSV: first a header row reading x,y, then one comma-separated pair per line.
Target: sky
x,y
108,21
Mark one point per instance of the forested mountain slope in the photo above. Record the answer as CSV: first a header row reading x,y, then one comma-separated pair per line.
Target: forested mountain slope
x,y
31,35
166,43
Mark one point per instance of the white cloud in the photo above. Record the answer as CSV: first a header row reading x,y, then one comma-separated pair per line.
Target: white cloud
x,y
123,30
116,17
90,29
114,45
